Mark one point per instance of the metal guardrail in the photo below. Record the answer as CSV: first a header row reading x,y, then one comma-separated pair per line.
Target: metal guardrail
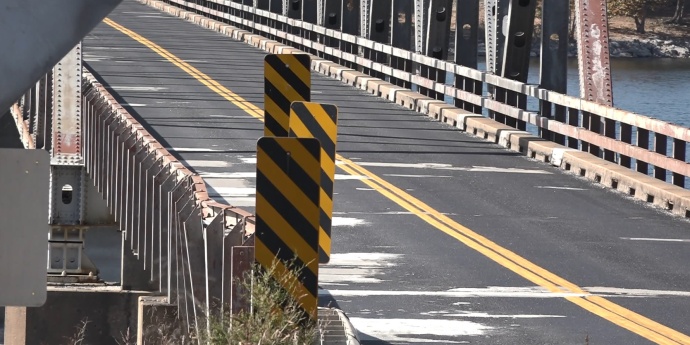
x,y
649,145
189,247
181,237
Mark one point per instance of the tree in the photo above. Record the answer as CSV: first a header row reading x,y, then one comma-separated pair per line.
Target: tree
x,y
678,16
637,9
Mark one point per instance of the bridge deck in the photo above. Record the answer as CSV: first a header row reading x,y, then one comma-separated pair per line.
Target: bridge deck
x,y
404,275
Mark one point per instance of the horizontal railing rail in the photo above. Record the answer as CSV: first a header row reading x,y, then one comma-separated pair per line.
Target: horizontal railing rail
x,y
649,145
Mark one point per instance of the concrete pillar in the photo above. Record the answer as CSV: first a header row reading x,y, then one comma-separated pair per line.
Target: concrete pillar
x,y
157,321
108,313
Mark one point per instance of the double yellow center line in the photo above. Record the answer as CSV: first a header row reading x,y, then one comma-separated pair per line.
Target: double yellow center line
x,y
608,310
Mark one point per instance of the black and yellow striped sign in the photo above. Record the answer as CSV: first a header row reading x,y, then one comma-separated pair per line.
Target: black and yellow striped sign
x,y
288,172
287,78
320,121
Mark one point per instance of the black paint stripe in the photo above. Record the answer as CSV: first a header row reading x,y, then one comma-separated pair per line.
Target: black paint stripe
x,y
315,128
326,184
290,167
290,77
290,212
272,123
281,251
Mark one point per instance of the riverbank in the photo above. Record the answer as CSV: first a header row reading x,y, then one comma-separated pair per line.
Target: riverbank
x,y
661,40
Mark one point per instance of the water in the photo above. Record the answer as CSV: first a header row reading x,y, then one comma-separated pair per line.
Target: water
x,y
658,88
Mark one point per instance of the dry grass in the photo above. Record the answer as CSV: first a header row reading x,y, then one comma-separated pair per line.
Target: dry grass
x,y
80,334
275,317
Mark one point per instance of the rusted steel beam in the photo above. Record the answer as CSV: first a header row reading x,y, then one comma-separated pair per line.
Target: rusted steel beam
x,y
67,140
594,64
22,127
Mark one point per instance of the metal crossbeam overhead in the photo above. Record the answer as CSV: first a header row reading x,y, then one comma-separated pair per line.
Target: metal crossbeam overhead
x,y
41,33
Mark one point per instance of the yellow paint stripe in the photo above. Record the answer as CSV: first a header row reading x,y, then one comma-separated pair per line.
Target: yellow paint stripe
x,y
289,282
608,310
324,119
289,189
282,85
627,319
298,68
328,166
277,112
288,234
215,86
304,159
301,131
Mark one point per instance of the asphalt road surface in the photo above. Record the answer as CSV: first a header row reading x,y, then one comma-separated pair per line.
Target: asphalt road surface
x,y
438,237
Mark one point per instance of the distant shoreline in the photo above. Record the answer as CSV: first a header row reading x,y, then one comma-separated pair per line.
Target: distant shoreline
x,y
626,48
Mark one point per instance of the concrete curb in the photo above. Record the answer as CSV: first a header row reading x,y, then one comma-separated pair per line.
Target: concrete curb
x,y
342,333
659,193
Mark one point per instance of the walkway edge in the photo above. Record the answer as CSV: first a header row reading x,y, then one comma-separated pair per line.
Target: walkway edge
x,y
666,196
344,335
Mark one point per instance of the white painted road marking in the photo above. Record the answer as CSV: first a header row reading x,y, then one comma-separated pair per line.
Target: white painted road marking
x,y
347,221
416,330
483,315
350,177
206,164
232,191
557,187
492,291
136,88
439,166
512,292
390,213
232,175
247,174
655,239
195,149
248,160
416,176
356,268
229,116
